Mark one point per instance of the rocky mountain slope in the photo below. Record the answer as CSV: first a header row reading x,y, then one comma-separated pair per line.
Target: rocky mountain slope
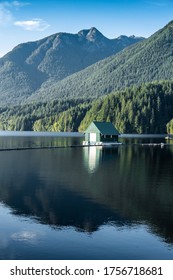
x,y
147,61
29,65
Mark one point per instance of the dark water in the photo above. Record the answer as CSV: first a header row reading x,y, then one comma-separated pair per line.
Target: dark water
x,y
85,203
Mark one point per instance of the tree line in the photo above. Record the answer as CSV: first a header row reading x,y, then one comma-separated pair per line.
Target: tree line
x,y
147,108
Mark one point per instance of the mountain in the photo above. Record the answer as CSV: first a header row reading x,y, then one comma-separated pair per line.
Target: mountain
x,y
149,60
29,65
139,79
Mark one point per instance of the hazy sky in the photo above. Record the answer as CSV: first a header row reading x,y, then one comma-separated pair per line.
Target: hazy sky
x,y
30,20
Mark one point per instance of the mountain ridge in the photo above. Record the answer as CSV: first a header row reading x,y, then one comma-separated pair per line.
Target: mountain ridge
x,y
146,61
28,65
132,88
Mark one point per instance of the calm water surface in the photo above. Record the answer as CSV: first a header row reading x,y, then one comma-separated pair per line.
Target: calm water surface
x,y
85,203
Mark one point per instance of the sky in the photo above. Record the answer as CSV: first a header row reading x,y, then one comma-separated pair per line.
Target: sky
x,y
30,20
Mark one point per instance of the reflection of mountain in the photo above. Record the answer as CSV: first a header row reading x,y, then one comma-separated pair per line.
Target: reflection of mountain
x,y
63,208
55,201
127,185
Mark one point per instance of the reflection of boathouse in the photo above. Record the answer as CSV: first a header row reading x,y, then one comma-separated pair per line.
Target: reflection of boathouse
x,y
101,132
92,156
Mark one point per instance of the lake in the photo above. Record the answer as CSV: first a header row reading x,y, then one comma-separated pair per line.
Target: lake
x,y
85,202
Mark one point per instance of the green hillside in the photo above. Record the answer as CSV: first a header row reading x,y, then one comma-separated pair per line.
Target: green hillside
x,y
147,61
133,89
29,65
143,109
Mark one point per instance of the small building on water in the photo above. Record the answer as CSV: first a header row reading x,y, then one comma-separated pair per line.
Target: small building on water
x,y
101,132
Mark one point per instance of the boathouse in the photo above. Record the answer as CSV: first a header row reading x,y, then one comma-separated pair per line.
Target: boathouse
x,y
101,132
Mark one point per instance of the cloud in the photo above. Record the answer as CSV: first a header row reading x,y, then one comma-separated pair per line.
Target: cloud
x,y
32,25
5,15
7,18
19,4
6,11
13,4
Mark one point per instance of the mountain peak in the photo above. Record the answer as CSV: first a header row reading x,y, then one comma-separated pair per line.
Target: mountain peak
x,y
52,59
94,34
91,34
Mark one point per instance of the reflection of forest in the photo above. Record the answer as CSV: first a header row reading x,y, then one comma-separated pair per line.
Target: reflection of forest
x,y
87,188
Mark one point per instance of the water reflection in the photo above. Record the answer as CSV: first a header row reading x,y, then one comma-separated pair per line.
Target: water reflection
x,y
92,157
88,188
27,140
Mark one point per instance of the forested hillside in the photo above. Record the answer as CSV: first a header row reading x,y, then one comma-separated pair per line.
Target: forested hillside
x,y
29,65
36,116
147,61
143,109
133,88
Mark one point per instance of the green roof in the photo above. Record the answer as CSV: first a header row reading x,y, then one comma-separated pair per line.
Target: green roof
x,y
105,128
